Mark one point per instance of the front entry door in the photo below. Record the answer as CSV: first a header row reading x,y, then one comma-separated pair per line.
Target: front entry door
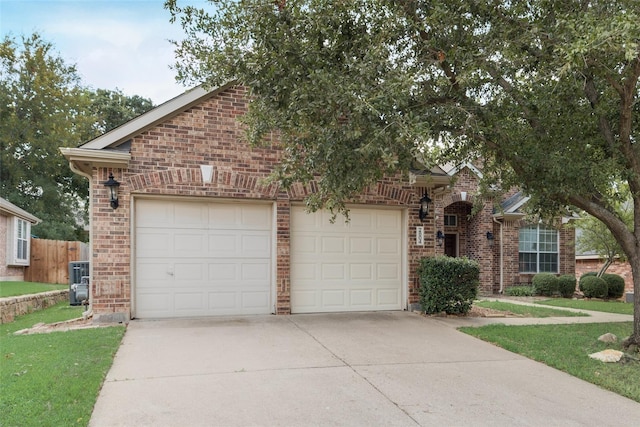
x,y
451,245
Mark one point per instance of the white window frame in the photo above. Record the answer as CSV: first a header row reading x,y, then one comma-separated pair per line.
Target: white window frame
x,y
448,218
537,249
19,242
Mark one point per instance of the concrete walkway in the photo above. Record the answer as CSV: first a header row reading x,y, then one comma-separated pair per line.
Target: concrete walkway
x,y
347,369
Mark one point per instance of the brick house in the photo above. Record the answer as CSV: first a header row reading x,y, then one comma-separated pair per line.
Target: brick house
x,y
196,232
15,240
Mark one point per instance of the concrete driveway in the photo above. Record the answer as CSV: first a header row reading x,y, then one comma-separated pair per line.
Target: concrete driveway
x,y
357,369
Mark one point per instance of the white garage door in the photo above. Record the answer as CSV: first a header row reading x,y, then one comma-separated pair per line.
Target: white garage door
x,y
355,266
195,258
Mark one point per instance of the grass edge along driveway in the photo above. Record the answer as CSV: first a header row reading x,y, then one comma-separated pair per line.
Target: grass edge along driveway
x,y
567,348
53,379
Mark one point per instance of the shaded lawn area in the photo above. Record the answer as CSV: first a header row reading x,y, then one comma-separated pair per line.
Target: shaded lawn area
x,y
527,310
53,379
12,289
567,348
617,307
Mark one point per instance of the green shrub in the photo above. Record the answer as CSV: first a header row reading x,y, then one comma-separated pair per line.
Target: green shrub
x,y
520,291
567,285
594,287
545,284
615,285
585,275
448,284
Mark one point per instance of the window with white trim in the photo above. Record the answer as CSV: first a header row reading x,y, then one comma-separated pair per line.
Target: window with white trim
x,y
19,242
450,220
538,249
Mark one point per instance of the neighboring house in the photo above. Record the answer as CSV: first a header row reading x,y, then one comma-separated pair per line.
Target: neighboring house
x,y
15,234
196,232
590,261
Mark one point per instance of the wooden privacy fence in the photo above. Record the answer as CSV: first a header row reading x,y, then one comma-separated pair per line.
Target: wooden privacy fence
x,y
50,260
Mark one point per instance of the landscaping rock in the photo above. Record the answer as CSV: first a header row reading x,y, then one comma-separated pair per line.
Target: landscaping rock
x,y
608,338
607,356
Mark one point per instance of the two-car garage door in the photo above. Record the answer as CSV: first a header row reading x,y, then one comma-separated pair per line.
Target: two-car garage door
x,y
195,258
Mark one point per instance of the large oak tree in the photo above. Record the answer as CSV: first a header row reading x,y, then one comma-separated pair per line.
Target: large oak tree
x,y
44,106
543,92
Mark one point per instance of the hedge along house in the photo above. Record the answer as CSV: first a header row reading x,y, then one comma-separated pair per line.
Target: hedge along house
x,y
186,226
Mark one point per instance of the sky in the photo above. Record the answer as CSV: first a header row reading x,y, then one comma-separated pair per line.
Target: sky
x,y
121,44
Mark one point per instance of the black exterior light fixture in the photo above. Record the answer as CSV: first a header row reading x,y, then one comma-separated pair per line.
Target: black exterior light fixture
x,y
112,185
490,238
424,206
439,238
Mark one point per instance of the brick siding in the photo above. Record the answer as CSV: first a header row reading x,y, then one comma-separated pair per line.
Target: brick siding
x,y
166,159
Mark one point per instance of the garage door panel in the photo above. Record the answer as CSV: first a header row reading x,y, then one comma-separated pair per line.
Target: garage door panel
x,y
254,300
330,271
255,244
200,258
388,297
190,215
388,246
388,272
188,302
189,244
155,303
361,245
156,213
185,272
361,271
346,267
223,271
222,301
334,299
305,244
151,244
153,274
255,272
333,245
361,298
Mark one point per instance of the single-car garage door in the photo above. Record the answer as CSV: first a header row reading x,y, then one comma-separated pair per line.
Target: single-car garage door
x,y
195,258
355,266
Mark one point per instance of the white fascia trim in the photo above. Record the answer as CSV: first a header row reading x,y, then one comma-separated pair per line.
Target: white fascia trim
x,y
461,166
518,205
97,157
13,210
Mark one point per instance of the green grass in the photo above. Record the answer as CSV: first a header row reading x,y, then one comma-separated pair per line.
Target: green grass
x,y
527,310
12,289
617,307
566,347
53,379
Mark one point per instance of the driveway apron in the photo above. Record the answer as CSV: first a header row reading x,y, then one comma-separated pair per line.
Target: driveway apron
x,y
346,369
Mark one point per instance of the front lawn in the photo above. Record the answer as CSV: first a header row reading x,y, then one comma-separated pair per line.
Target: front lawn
x,y
527,310
567,348
617,307
53,379
12,289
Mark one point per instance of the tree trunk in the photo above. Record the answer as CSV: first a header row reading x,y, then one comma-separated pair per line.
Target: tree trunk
x,y
606,265
635,270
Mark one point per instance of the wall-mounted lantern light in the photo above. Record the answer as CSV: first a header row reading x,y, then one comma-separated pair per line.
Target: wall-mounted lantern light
x,y
113,185
490,238
439,238
424,206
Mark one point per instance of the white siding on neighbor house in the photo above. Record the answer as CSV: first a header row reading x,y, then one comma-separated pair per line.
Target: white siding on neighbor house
x,y
355,266
197,258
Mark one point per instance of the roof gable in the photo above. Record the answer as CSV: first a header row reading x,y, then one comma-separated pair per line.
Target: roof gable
x,y
153,117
